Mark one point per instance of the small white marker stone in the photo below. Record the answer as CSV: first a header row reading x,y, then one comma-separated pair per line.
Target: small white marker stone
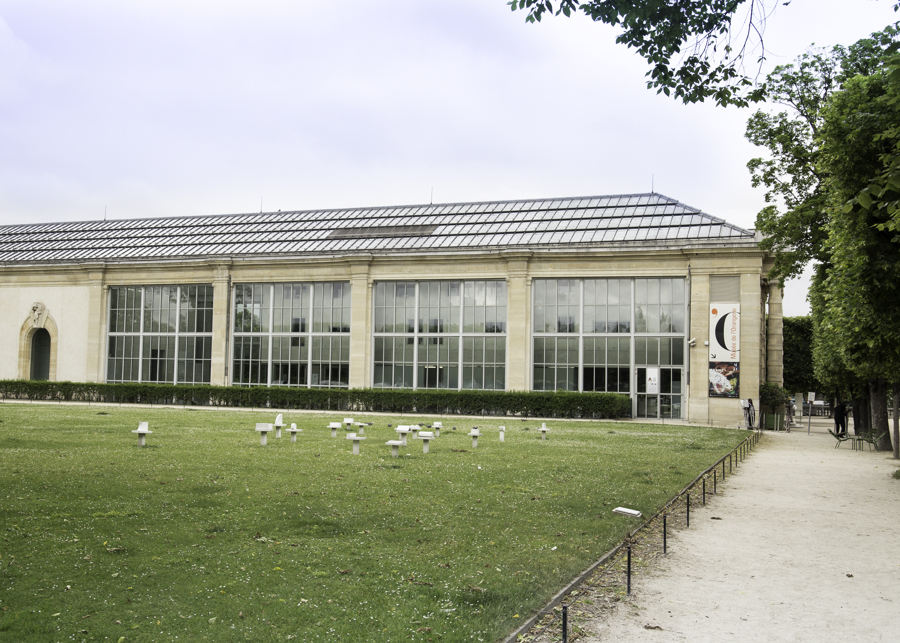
x,y
263,428
634,513
395,447
356,439
142,431
425,436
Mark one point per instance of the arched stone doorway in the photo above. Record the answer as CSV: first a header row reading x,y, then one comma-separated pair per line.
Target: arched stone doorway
x,y
38,345
40,354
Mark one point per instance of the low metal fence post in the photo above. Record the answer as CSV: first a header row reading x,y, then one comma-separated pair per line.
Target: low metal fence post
x,y
629,571
664,533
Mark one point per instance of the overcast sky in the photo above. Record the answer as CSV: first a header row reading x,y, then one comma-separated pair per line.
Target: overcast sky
x,y
152,108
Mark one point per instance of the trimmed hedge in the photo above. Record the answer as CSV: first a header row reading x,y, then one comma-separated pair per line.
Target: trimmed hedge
x,y
561,404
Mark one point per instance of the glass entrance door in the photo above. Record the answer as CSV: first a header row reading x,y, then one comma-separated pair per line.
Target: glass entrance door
x,y
666,401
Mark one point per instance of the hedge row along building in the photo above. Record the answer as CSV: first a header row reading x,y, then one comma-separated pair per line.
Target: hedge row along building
x,y
636,294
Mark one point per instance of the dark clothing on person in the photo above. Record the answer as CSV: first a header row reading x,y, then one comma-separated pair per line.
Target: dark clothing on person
x,y
840,418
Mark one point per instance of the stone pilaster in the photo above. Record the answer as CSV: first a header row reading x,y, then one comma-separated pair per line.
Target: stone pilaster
x,y
95,367
775,337
360,323
221,338
518,320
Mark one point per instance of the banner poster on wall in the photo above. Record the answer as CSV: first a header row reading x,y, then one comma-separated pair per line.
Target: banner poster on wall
x,y
653,380
724,350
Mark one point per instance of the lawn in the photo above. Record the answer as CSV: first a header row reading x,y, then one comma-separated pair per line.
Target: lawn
x,y
206,534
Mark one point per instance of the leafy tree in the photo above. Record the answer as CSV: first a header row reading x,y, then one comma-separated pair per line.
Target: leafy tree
x,y
823,150
861,291
711,38
791,174
799,375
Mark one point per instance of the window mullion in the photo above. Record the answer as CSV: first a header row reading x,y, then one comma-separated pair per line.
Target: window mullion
x,y
308,332
580,374
177,333
140,312
416,321
271,338
459,330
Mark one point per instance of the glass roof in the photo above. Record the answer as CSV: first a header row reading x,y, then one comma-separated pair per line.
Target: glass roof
x,y
651,219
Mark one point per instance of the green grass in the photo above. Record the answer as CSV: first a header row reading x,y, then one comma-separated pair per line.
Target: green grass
x,y
205,534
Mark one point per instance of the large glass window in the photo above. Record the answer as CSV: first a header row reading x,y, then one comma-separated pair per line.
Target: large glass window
x,y
440,334
659,305
292,334
607,364
160,334
593,335
556,363
607,305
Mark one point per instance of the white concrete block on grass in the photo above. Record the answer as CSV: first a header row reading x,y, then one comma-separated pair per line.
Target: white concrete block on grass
x,y
403,431
425,436
395,447
543,430
142,431
264,428
356,440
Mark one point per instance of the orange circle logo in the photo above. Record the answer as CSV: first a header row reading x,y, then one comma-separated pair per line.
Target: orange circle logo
x,y
715,312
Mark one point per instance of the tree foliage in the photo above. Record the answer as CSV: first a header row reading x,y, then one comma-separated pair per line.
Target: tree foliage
x,y
824,150
794,220
701,32
799,375
861,292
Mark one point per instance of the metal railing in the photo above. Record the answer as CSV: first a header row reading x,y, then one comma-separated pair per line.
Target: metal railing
x,y
681,500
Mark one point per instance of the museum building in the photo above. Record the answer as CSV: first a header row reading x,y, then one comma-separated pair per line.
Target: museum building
x,y
636,294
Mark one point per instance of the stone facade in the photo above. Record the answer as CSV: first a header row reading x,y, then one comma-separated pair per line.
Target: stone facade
x,y
75,300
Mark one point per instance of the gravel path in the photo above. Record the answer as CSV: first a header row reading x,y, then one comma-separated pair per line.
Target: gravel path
x,y
805,547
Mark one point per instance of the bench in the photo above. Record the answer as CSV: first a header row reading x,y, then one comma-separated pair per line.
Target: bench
x,y
294,431
503,434
395,447
279,424
543,430
361,427
348,422
415,428
142,431
334,426
402,431
356,439
425,436
475,435
263,428
437,426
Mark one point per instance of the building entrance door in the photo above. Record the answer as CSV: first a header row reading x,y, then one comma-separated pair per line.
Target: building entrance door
x,y
40,355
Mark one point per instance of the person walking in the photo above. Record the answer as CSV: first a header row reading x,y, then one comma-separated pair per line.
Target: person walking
x,y
840,419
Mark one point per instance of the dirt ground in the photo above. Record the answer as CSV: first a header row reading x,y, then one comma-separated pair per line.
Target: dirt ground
x,y
802,543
